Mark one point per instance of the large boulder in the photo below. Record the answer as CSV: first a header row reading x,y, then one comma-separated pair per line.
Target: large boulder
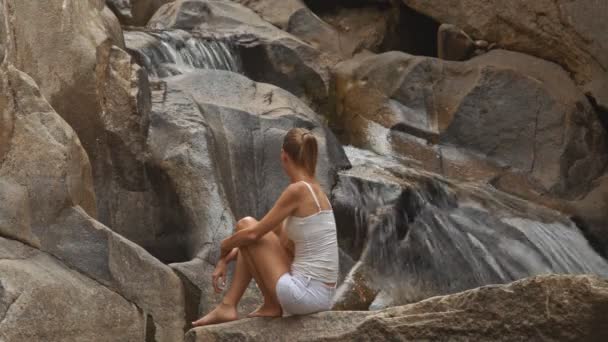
x,y
44,166
217,135
503,115
47,183
41,299
554,308
275,12
269,55
135,12
572,34
93,86
66,76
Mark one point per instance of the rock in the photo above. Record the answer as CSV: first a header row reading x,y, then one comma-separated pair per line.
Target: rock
x,y
218,142
269,55
43,300
572,34
357,291
560,308
503,109
128,203
591,213
135,12
416,235
454,44
43,155
15,214
373,26
305,25
122,266
78,82
277,13
50,209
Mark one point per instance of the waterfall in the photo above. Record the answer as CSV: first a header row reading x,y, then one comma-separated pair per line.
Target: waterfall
x,y
424,235
174,52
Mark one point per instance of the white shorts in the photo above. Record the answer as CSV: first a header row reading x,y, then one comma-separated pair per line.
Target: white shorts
x,y
301,295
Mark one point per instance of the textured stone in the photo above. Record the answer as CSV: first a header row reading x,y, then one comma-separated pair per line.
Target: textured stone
x,y
513,110
553,308
44,155
275,12
570,33
43,300
454,44
135,12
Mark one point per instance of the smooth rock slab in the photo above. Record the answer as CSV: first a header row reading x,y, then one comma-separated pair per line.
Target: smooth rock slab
x,y
42,299
548,308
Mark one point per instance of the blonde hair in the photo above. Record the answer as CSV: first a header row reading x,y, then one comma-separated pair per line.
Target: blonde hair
x,y
301,146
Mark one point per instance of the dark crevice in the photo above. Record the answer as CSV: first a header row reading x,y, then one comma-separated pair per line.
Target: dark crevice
x,y
415,34
331,6
602,114
594,241
150,329
171,243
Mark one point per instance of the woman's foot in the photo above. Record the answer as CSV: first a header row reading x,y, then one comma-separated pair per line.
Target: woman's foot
x,y
267,311
221,314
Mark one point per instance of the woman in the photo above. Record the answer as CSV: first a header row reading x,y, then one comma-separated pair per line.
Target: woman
x,y
292,253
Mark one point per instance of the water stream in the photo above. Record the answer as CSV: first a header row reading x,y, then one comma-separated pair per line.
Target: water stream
x,y
424,235
173,52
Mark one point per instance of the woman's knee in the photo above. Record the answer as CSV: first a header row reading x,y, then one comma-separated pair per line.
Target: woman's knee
x,y
245,223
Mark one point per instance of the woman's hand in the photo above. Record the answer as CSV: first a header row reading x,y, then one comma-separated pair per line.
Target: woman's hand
x,y
219,274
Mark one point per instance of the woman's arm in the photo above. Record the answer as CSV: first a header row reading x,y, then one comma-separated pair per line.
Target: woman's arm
x,y
285,205
231,256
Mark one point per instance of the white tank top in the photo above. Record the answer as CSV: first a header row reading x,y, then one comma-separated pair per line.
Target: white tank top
x,y
316,244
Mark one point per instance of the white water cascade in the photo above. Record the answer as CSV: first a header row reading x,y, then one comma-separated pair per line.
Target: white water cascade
x,y
174,52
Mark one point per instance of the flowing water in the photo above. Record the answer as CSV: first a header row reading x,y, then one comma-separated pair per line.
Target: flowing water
x,y
424,235
174,52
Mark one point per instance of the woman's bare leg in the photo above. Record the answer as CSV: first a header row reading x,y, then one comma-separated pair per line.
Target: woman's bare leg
x,y
266,261
226,310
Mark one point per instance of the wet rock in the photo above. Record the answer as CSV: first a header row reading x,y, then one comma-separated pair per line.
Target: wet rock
x,y
591,213
269,55
454,44
218,142
572,34
504,109
561,308
135,12
357,291
43,300
416,235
